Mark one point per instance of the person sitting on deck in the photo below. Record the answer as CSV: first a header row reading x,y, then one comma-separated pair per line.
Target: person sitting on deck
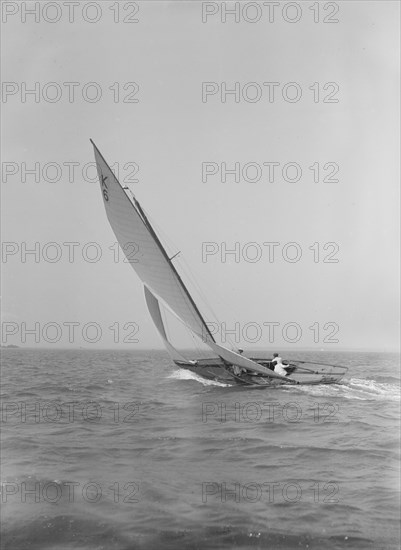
x,y
279,367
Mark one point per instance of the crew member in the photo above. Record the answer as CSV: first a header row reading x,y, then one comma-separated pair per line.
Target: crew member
x,y
279,367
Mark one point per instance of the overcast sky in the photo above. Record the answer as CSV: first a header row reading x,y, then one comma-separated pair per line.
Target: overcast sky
x,y
164,126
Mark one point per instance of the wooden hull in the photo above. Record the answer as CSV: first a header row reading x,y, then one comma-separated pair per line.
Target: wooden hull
x,y
313,373
212,369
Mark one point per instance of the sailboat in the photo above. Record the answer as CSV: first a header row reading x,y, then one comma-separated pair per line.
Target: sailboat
x,y
164,288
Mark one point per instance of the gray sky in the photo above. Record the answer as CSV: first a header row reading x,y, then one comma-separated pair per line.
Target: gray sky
x,y
170,132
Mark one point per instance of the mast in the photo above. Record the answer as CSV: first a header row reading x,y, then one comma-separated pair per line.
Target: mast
x,y
139,210
156,238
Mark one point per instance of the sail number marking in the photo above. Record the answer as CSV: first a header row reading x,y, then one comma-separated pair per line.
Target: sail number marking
x,y
104,187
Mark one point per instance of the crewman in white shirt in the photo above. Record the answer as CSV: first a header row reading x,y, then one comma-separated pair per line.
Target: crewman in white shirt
x,y
279,368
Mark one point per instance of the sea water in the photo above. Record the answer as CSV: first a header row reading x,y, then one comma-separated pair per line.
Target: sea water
x,y
123,450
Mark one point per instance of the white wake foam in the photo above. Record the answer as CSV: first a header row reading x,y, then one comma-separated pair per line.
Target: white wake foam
x,y
183,374
353,388
370,389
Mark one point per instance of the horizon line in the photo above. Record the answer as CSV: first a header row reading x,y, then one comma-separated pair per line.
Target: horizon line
x,y
81,348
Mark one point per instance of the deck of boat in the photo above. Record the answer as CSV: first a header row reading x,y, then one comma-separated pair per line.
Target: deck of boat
x,y
217,369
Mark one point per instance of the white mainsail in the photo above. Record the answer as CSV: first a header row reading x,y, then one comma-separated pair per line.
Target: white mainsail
x,y
150,260
154,268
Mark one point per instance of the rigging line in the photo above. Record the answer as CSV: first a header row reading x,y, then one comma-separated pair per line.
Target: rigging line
x,y
198,287
191,277
167,314
184,268
198,349
183,288
187,270
318,363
